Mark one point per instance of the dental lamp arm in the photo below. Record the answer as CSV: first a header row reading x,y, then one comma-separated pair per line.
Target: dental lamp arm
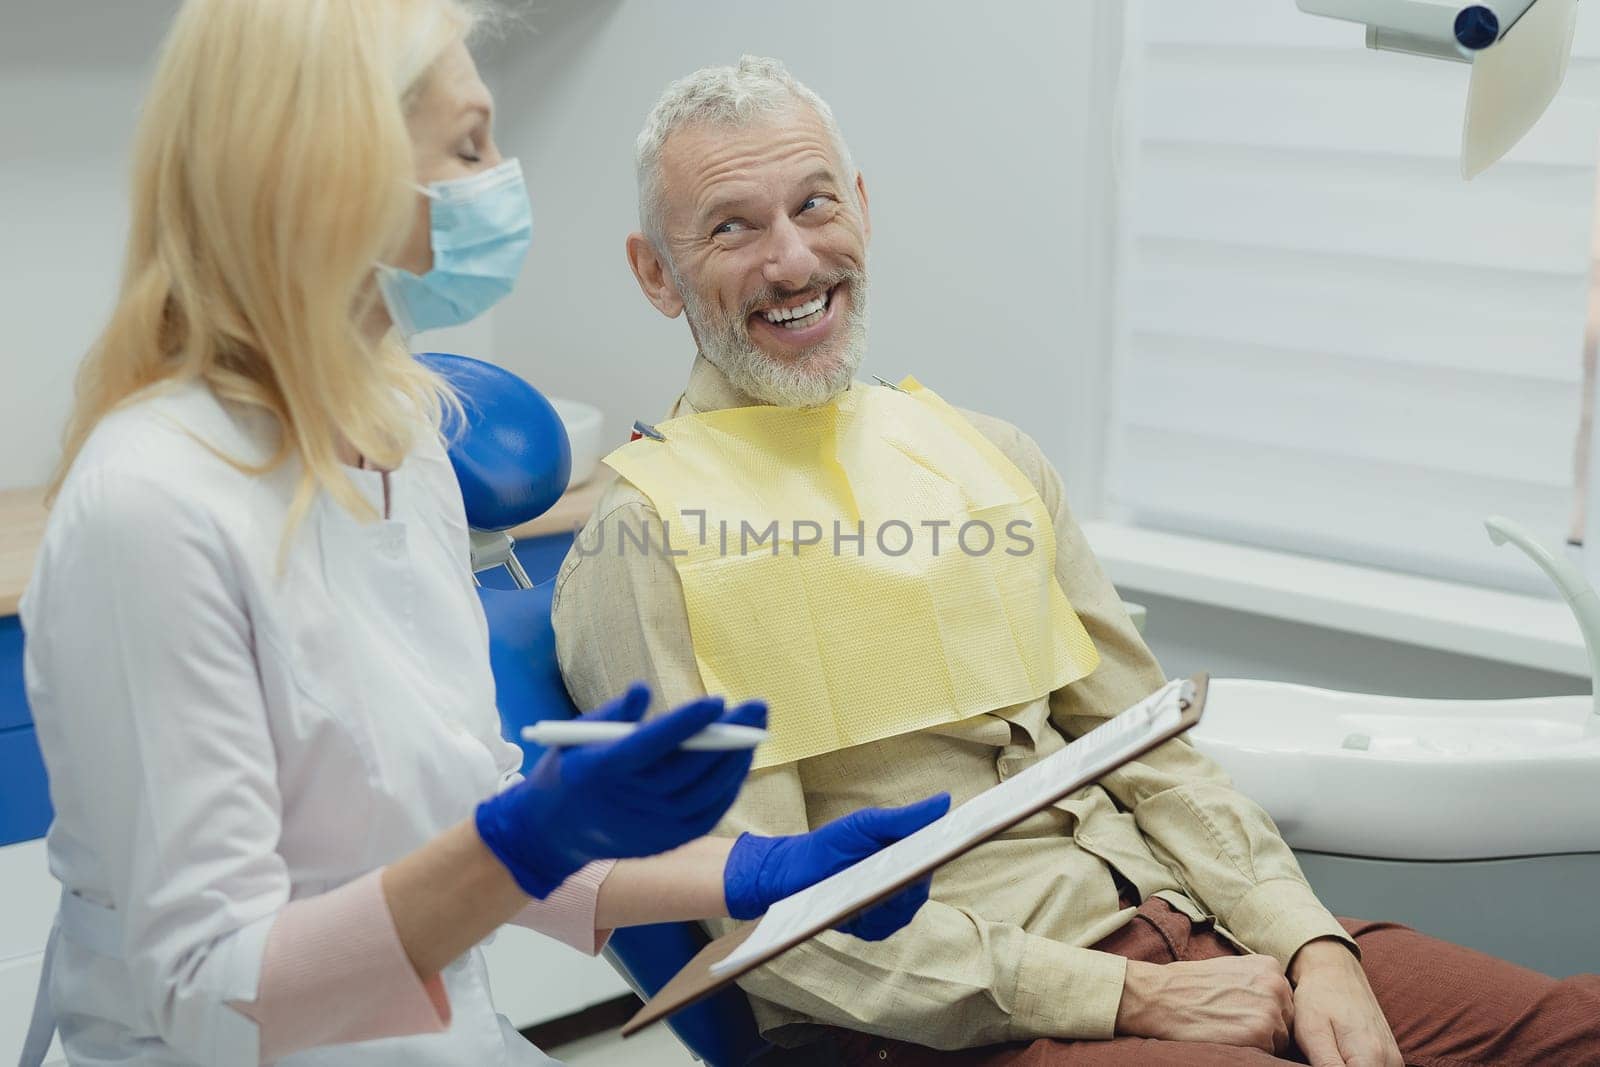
x,y
1440,29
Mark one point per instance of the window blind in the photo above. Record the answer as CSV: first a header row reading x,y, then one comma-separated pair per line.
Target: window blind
x,y
1328,342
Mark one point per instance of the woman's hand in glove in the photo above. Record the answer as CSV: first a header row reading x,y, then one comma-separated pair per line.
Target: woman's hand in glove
x,y
634,797
763,870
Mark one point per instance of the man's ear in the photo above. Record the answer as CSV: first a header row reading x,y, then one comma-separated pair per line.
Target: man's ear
x,y
654,279
861,195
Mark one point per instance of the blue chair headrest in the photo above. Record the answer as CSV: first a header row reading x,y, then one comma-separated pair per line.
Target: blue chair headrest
x,y
512,457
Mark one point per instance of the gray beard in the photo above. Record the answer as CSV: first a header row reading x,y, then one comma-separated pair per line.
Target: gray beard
x,y
810,380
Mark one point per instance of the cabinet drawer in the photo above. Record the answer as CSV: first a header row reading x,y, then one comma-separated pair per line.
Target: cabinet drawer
x,y
18,980
30,901
13,699
24,795
536,979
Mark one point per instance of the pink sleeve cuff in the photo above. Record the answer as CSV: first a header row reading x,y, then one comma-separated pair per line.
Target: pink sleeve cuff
x,y
568,914
334,971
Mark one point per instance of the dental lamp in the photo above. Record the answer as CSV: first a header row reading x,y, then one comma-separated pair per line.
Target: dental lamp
x,y
1441,29
1518,50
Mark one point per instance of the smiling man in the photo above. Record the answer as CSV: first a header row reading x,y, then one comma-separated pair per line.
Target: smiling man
x,y
782,315
1153,918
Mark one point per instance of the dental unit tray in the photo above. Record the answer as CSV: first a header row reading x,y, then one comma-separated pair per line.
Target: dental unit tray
x,y
1153,721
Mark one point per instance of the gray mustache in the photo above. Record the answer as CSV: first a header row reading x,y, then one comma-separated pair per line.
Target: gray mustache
x,y
821,281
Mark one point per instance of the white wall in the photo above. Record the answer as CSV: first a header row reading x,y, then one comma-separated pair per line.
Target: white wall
x,y
71,79
981,132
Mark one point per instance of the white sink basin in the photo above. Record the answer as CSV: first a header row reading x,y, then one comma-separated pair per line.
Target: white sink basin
x,y
1402,778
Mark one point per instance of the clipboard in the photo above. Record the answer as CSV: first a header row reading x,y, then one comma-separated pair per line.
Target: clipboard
x,y
1090,759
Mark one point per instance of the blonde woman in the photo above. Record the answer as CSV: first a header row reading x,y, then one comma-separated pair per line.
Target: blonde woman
x,y
285,816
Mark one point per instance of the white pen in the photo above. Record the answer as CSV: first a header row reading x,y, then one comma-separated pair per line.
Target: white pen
x,y
718,737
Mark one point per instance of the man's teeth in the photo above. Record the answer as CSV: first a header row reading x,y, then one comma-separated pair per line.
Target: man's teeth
x,y
797,318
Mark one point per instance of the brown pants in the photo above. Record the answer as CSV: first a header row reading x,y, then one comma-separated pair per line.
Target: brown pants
x,y
1448,1007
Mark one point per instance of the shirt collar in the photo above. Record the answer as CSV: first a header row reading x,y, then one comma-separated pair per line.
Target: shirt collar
x,y
710,390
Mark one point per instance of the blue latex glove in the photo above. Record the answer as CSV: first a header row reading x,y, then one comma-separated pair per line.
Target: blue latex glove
x,y
623,799
763,870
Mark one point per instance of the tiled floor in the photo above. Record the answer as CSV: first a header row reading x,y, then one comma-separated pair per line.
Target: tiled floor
x,y
656,1047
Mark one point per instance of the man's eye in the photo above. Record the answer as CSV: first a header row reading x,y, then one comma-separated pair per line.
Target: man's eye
x,y
820,200
731,226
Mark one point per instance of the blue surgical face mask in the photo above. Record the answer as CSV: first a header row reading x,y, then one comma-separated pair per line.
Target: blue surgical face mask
x,y
481,228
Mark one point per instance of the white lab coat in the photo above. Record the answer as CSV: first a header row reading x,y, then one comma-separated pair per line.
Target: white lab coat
x,y
224,736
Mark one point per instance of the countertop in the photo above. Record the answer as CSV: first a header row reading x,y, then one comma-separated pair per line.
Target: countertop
x,y
22,518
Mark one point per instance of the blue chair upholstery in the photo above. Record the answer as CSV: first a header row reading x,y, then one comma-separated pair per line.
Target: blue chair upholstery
x,y
512,458
720,1030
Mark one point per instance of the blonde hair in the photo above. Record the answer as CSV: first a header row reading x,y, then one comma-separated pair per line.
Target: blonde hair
x,y
271,169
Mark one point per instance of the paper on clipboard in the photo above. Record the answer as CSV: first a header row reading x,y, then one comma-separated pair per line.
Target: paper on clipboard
x,y
1161,716
984,815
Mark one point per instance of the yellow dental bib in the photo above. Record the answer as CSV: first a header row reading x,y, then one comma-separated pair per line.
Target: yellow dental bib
x,y
871,567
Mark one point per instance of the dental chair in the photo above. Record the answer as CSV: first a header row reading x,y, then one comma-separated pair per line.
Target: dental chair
x,y
512,460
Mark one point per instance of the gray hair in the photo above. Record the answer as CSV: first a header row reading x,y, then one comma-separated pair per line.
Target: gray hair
x,y
728,97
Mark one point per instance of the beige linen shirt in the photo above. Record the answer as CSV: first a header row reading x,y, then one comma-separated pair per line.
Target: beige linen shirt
x,y
998,953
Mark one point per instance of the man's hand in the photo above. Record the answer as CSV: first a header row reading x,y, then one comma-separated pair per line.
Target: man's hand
x,y
1337,1021
1236,1000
